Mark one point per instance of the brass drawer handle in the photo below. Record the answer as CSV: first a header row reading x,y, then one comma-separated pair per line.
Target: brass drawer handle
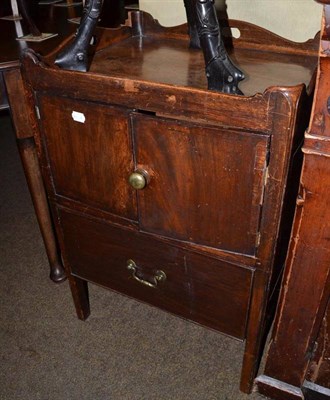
x,y
160,276
138,179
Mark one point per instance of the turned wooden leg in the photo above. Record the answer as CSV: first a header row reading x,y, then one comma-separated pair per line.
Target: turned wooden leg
x,y
32,172
222,74
79,291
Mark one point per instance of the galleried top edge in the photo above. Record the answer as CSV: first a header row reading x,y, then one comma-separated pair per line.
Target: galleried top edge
x,y
144,51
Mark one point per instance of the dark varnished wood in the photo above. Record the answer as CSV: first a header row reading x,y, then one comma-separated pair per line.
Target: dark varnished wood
x,y
160,98
98,252
114,219
27,150
310,197
184,66
255,37
194,179
161,51
24,127
319,368
97,150
306,279
297,364
222,75
218,168
270,251
48,19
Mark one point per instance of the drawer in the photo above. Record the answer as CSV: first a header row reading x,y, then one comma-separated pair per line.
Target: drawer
x,y
200,288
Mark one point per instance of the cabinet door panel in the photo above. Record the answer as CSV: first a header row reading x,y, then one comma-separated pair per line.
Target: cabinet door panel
x,y
90,154
206,184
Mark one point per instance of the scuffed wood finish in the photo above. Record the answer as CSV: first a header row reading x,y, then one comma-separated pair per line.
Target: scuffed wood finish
x,y
270,254
255,37
209,291
182,65
251,36
24,128
194,179
20,111
297,364
96,149
307,271
320,123
217,169
49,19
263,55
154,97
319,368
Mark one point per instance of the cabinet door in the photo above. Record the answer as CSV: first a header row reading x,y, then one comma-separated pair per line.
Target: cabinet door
x,y
205,184
89,151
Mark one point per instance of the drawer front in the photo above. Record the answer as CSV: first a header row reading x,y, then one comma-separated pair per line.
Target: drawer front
x,y
208,291
89,150
205,184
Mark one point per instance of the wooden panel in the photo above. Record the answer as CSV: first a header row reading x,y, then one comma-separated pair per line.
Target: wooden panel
x,y
205,184
319,368
19,105
90,161
219,294
172,100
296,338
205,290
307,269
172,62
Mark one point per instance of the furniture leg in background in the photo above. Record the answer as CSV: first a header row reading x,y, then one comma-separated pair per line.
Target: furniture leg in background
x,y
23,7
27,149
35,35
15,16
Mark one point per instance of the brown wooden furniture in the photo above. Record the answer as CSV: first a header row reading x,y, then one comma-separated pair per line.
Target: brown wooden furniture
x,y
165,191
53,19
298,359
317,379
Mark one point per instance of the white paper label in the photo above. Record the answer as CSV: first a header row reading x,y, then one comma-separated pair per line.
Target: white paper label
x,y
78,117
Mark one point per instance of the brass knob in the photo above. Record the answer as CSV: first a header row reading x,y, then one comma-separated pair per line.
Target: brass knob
x,y
138,180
